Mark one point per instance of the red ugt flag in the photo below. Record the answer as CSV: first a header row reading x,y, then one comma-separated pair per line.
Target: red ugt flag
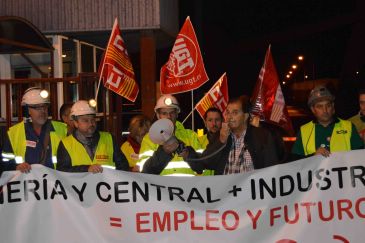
x,y
217,96
117,71
185,69
268,99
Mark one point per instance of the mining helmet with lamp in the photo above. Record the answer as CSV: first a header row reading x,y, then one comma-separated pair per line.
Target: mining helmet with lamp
x,y
167,101
319,93
81,108
35,96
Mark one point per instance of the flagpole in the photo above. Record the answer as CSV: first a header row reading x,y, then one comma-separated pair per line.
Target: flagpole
x,y
102,69
192,110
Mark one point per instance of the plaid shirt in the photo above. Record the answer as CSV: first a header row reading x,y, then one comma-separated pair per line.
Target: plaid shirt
x,y
239,159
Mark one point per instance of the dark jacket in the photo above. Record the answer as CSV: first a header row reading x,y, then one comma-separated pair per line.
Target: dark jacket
x,y
266,149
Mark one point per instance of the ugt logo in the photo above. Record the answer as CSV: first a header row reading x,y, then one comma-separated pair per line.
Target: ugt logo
x,y
183,57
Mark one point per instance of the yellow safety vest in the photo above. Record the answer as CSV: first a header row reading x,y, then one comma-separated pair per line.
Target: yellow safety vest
x,y
79,156
129,153
177,166
340,138
18,139
360,125
204,140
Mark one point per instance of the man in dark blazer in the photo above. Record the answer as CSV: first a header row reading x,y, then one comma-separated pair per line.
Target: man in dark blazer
x,y
240,147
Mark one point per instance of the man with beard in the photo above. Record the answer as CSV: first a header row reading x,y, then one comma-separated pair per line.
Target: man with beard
x,y
213,119
326,133
86,149
34,140
168,159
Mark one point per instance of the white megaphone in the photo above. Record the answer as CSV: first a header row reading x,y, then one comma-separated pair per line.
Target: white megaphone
x,y
161,131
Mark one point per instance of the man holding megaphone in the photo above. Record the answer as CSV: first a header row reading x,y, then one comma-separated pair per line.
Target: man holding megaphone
x,y
163,149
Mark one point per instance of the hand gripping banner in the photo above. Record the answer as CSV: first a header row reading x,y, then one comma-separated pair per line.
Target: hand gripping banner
x,y
312,200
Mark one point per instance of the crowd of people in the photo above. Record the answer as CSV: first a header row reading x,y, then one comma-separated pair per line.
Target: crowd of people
x,y
235,141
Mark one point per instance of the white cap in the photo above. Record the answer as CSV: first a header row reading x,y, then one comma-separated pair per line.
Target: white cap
x,y
35,96
82,107
167,101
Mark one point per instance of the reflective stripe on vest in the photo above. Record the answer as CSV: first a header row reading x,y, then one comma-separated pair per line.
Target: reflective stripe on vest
x,y
17,139
188,137
79,156
340,138
178,168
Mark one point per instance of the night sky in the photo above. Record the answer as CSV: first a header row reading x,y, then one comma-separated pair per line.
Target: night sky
x,y
234,36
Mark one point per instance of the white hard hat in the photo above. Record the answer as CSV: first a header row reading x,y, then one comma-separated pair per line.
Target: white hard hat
x,y
35,96
167,101
82,107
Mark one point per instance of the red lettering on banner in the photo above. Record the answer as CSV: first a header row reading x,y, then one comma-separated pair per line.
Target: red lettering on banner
x,y
357,207
344,208
320,211
235,222
296,214
192,220
139,222
254,218
273,216
229,220
165,222
307,206
178,220
209,219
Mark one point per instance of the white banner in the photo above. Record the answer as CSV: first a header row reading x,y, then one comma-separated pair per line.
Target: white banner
x,y
313,200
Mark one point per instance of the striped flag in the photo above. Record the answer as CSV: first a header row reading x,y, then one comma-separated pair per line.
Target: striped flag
x,y
217,96
268,100
116,69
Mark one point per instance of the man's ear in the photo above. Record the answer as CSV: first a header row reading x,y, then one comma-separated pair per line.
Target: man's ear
x,y
312,108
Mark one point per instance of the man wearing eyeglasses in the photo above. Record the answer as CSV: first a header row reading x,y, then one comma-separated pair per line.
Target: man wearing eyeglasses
x,y
165,159
240,146
326,133
34,140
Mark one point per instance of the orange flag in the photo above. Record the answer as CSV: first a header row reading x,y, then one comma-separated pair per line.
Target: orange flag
x,y
116,69
217,96
185,69
268,99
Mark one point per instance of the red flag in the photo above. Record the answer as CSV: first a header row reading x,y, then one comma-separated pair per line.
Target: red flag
x,y
217,96
117,71
268,99
185,69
